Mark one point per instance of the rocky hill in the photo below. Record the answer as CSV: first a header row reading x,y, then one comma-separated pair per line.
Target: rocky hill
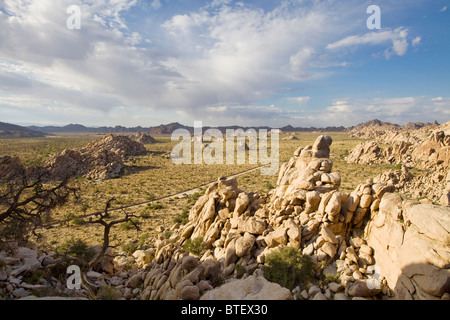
x,y
101,159
14,131
379,130
425,148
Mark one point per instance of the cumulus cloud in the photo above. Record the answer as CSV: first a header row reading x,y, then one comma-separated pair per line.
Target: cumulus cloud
x,y
397,37
350,111
222,58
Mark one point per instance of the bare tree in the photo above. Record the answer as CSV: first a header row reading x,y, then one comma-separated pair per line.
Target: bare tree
x,y
85,265
25,203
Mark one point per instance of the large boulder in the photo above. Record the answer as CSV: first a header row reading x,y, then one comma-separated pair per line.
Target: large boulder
x,y
251,288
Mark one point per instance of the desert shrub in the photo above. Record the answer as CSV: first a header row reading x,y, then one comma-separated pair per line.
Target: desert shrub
x,y
194,246
129,224
76,248
84,207
288,267
194,197
167,234
78,221
129,248
144,214
239,270
183,217
155,206
108,293
35,277
331,277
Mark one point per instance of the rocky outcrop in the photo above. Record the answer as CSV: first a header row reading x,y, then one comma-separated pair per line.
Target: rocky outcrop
x,y
101,159
306,211
250,288
11,169
410,242
425,148
144,138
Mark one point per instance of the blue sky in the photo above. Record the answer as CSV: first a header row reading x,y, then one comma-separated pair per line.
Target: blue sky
x,y
298,62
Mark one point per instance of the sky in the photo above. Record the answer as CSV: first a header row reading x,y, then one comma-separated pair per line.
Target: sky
x,y
223,62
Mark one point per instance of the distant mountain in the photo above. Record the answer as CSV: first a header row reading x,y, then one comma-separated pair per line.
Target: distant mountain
x,y
372,124
312,129
171,127
378,124
8,130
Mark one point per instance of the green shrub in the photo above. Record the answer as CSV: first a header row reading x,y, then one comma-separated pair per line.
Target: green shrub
x,y
35,277
144,214
85,207
288,267
183,217
155,206
129,248
194,246
108,293
129,224
239,270
77,221
77,248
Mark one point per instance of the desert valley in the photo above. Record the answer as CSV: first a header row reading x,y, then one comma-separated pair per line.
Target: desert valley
x,y
353,213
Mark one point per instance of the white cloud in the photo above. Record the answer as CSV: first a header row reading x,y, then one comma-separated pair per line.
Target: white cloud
x,y
219,59
443,9
398,37
299,100
350,111
416,41
156,4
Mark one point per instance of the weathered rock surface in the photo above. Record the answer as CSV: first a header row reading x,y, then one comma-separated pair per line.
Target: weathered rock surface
x,y
410,242
251,288
100,159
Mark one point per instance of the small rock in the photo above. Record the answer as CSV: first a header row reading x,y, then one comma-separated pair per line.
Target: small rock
x,y
134,281
190,293
314,290
304,294
357,275
319,296
20,293
335,287
340,296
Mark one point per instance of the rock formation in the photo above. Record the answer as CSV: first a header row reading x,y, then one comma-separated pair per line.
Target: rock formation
x,y
144,138
373,244
410,242
100,159
423,148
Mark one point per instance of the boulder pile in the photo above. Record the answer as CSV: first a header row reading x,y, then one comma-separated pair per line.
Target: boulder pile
x,y
100,159
238,229
423,149
144,138
367,244
11,168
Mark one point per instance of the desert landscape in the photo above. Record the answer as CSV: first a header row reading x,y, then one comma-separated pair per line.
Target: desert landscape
x,y
174,154
356,213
